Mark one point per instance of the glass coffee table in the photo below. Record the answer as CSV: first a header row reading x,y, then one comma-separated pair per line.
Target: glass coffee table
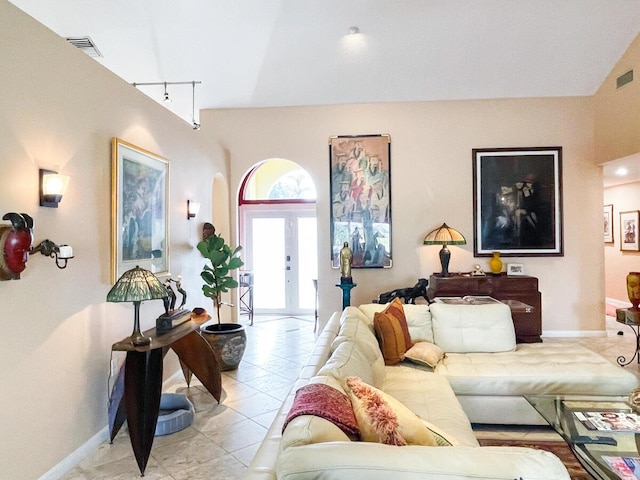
x,y
603,432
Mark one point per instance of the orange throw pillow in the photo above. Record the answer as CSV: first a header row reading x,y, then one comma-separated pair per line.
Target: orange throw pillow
x,y
396,309
390,338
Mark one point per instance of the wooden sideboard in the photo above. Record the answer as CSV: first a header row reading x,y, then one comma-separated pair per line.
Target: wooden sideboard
x,y
528,325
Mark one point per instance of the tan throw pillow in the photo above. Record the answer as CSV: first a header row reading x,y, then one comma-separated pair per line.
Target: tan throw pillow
x,y
390,338
383,419
425,353
396,309
442,439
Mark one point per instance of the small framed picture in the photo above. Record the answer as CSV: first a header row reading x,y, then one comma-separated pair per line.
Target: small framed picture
x,y
608,224
515,269
629,231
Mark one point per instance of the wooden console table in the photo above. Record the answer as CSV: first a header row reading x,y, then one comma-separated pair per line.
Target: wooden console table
x,y
140,403
527,322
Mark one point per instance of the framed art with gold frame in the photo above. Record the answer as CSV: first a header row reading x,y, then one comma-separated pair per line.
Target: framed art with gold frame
x,y
139,214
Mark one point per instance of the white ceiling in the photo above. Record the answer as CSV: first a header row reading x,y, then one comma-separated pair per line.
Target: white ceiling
x,y
263,53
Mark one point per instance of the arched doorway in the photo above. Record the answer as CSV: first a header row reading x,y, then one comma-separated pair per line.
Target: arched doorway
x,y
277,226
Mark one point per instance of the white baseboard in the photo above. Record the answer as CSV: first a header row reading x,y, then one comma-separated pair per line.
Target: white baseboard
x,y
87,448
79,455
573,333
618,303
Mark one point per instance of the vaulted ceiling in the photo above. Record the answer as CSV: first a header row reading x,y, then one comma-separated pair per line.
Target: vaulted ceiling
x,y
262,53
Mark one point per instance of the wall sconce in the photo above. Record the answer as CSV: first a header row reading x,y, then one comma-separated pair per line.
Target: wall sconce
x,y
52,188
192,209
50,249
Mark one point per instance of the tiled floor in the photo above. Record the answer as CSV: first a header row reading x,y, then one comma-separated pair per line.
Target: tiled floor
x,y
223,438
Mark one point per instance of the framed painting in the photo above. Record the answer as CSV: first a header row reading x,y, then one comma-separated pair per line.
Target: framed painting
x,y
517,201
629,231
608,224
360,169
139,215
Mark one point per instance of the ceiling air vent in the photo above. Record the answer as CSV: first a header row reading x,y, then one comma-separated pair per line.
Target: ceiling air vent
x,y
623,79
86,45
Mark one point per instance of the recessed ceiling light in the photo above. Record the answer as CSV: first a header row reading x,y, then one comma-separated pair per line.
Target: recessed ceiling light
x,y
354,30
622,171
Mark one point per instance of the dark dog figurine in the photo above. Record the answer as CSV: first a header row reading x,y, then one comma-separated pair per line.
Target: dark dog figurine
x,y
408,294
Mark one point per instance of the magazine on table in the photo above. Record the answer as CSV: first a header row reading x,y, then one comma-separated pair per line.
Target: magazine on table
x,y
609,421
467,300
627,468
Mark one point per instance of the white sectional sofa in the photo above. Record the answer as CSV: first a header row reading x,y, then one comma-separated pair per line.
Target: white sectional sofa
x,y
481,378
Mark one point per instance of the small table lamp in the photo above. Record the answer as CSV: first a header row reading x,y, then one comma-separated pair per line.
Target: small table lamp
x,y
444,236
137,285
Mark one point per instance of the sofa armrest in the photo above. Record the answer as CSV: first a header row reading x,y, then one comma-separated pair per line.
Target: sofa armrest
x,y
374,461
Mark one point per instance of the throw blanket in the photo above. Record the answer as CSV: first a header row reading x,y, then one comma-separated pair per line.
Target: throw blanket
x,y
325,402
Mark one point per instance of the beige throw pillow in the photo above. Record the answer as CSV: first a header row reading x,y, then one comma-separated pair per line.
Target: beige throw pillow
x,y
383,419
425,353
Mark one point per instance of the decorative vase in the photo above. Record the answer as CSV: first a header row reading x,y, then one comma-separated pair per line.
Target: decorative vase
x,y
495,264
228,341
633,289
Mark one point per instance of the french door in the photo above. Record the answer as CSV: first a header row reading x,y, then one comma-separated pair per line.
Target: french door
x,y
281,252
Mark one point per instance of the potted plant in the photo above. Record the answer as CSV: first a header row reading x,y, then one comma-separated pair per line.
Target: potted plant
x,y
228,340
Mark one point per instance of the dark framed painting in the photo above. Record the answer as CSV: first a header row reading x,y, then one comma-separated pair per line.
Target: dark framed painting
x,y
608,223
360,169
139,215
517,201
629,231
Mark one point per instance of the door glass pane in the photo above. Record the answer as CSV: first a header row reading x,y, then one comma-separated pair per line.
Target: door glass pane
x,y
268,263
307,262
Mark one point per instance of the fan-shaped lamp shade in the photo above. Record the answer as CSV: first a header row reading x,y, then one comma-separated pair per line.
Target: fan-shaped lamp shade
x,y
444,235
137,285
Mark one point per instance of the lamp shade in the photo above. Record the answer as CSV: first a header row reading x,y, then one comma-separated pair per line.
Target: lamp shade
x,y
137,285
444,235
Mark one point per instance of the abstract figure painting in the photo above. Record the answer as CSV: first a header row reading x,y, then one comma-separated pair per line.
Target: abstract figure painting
x,y
361,199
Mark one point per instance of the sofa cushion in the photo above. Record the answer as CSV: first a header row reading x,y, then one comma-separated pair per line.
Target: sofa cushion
x,y
418,319
473,328
536,368
355,327
424,353
349,358
390,337
431,398
419,322
383,419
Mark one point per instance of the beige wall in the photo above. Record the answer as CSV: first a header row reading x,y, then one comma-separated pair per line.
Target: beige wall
x,y
432,182
617,120
624,198
59,109
617,111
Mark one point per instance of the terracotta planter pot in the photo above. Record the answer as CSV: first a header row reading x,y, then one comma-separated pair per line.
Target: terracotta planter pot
x,y
228,341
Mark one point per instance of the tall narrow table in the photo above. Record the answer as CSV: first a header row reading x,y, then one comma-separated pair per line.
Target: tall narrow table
x,y
143,379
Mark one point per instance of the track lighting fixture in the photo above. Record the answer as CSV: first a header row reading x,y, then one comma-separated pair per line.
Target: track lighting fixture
x,y
167,99
196,125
